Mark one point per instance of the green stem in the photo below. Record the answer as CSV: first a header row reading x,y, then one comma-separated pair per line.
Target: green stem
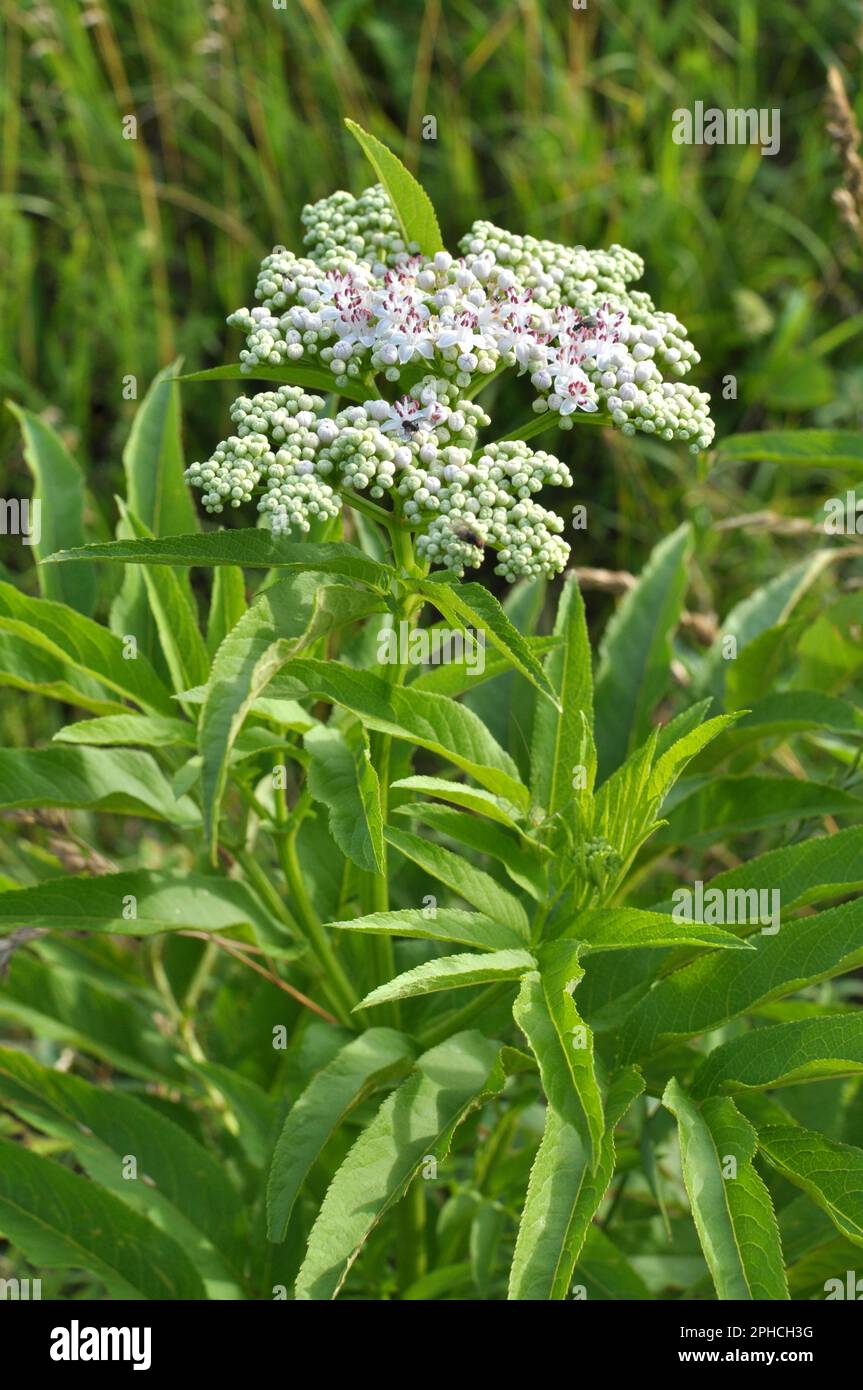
x,y
455,1022
410,1235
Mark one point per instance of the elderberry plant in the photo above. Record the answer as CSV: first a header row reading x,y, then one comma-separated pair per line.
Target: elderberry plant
x,y
327,972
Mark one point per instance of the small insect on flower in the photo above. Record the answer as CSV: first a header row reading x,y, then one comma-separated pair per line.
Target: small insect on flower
x,y
470,537
410,426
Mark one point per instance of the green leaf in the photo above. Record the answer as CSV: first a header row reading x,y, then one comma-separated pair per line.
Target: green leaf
x,y
635,655
452,972
562,1044
671,762
176,618
764,608
378,1058
470,832
129,730
781,714
797,448
828,1172
473,798
140,903
428,721
417,1120
250,548
607,1274
83,646
179,1184
227,604
58,487
731,1206
59,1220
785,1054
715,988
126,782
297,374
558,736
439,924
472,606
341,775
563,1197
730,806
457,678
24,666
474,885
411,203
627,928
282,621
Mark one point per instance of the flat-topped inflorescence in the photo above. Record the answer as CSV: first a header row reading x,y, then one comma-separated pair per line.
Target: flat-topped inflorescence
x,y
362,303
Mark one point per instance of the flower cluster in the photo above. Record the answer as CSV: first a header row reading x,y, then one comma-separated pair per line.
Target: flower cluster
x,y
362,303
419,450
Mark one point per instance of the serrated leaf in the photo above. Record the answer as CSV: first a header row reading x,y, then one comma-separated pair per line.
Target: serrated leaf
x,y
379,1057
417,1120
635,654
129,730
829,1172
715,988
443,924
474,885
411,203
785,1054
521,862
99,779
730,806
627,928
452,972
563,1197
249,548
341,776
58,487
733,1215
557,741
562,1044
428,721
460,794
61,1221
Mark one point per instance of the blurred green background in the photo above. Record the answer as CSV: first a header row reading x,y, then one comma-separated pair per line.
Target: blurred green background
x,y
120,254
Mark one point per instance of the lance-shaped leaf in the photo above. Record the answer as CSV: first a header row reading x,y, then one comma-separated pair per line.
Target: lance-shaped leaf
x,y
377,1058
428,721
58,489
812,1049
717,987
798,448
295,374
249,548
457,678
563,1196
558,735
24,666
730,1204
281,622
452,972
83,645
95,779
129,731
727,806
781,714
180,1185
562,1043
157,494
627,928
416,1121
635,655
140,903
826,866
520,858
227,604
474,885
830,1173
342,777
439,924
61,1221
412,205
606,1273
471,606
176,618
460,794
